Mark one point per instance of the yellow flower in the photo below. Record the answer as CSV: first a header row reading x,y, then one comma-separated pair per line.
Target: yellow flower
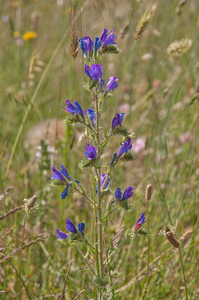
x,y
29,35
16,34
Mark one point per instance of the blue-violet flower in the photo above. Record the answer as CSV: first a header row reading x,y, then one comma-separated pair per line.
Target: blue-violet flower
x,y
61,235
62,176
117,120
94,71
73,109
128,193
107,40
71,227
91,152
140,221
118,194
86,44
126,146
98,44
112,83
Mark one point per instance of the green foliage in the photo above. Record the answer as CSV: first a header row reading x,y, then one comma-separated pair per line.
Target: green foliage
x,y
111,49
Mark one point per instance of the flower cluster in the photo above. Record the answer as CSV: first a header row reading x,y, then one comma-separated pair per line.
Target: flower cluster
x,y
62,179
74,233
86,44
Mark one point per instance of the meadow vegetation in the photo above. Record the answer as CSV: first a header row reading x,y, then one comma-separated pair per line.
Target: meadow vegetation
x,y
158,90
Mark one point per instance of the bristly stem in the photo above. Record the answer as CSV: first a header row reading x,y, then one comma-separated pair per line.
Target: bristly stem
x,y
99,204
185,284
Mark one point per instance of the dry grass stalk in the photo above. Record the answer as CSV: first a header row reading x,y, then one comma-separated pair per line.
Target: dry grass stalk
x,y
79,294
171,237
64,287
25,246
12,211
6,192
148,191
186,235
8,231
118,236
74,44
124,31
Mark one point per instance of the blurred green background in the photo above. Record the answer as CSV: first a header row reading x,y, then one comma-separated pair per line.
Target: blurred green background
x,y
159,95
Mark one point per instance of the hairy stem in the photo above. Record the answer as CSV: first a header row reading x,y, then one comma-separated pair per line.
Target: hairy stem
x,y
99,204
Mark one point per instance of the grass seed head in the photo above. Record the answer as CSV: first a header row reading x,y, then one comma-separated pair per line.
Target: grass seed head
x,y
148,191
178,48
74,44
171,237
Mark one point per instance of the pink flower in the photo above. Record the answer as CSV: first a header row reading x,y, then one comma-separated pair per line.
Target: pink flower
x,y
186,136
138,145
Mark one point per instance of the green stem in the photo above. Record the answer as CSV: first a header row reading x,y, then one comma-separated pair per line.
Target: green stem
x,y
185,284
86,261
121,244
99,204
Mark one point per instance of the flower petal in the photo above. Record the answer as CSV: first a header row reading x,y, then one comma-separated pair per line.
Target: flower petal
x,y
81,227
70,226
61,235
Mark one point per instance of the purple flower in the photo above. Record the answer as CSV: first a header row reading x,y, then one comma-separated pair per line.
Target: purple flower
x,y
140,221
65,172
98,44
112,83
57,174
114,158
94,71
117,120
103,178
86,44
126,146
110,39
91,114
107,40
118,194
91,152
62,176
101,81
61,235
81,227
73,109
103,35
128,193
70,226
138,145
64,194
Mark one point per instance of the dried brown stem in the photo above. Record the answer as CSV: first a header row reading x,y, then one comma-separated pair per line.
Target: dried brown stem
x,y
24,246
64,287
12,211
